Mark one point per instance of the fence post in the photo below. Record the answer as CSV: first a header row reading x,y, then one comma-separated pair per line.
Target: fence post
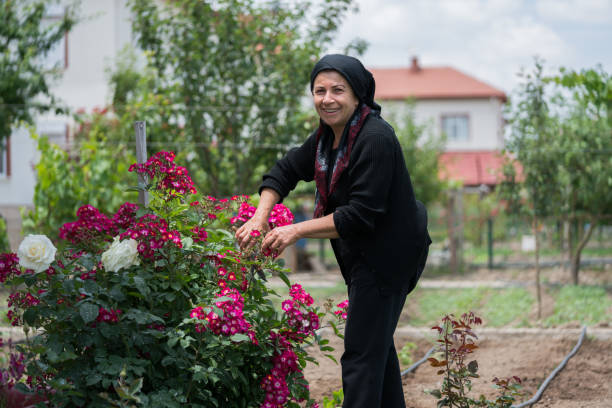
x,y
490,242
140,128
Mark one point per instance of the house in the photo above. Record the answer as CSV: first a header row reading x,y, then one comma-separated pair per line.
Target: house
x,y
82,57
466,109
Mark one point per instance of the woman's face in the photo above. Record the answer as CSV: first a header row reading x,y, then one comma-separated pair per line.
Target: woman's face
x,y
334,100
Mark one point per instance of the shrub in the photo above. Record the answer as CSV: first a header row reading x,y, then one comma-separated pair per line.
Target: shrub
x,y
456,341
4,241
159,307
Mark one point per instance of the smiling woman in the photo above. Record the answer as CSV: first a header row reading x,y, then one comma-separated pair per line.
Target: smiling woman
x,y
334,101
365,204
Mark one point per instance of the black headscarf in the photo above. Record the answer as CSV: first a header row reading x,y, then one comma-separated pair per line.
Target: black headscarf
x,y
359,78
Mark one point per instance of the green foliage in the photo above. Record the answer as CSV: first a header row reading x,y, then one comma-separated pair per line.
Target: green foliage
x,y
478,208
533,143
584,304
234,73
25,40
562,138
131,336
95,175
335,401
436,302
405,355
506,306
421,149
4,242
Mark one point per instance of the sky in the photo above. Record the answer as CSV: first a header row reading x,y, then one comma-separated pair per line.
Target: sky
x,y
491,40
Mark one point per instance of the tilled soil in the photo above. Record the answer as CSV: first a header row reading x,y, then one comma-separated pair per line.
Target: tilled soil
x,y
586,381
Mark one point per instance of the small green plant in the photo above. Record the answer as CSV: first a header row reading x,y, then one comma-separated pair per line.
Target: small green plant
x,y
456,341
405,354
335,401
4,242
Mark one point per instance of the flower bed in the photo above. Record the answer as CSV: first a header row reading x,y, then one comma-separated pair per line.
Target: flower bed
x,y
158,306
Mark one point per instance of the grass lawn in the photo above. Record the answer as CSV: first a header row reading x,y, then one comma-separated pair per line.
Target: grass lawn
x,y
498,307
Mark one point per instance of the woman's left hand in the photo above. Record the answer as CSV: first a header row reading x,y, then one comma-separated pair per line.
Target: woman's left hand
x,y
280,238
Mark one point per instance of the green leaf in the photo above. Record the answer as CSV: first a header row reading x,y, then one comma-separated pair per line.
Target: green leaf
x,y
30,316
332,358
141,286
166,361
117,294
88,312
284,278
239,337
93,379
176,285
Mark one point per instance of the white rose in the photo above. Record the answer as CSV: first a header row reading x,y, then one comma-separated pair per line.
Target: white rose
x,y
121,254
36,252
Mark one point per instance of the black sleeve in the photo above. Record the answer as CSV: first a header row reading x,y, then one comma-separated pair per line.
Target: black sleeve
x,y
298,164
370,176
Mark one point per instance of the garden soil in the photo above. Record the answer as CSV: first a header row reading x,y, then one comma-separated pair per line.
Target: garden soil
x,y
585,382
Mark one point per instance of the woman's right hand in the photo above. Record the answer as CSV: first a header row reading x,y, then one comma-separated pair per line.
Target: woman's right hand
x,y
245,234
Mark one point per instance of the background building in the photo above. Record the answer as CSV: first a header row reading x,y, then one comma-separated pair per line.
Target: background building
x,y
467,110
103,30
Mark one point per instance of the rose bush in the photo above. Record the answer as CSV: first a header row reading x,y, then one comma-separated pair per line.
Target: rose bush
x,y
158,307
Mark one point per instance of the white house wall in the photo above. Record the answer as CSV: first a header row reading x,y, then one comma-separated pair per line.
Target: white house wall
x,y
92,46
485,119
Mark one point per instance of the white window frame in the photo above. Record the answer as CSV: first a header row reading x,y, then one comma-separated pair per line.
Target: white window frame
x,y
454,116
4,158
57,56
56,131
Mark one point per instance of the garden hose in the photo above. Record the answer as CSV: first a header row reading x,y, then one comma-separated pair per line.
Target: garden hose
x,y
418,363
552,375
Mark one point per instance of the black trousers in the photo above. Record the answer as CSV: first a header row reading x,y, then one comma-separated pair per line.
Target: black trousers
x,y
370,368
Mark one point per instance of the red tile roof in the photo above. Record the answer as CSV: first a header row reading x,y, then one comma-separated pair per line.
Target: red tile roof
x,y
430,83
472,168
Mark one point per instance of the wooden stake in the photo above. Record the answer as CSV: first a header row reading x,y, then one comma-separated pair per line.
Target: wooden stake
x,y
140,128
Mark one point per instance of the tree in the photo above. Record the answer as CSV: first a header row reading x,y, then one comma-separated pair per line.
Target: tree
x,y
534,133
235,73
585,142
421,149
24,41
562,138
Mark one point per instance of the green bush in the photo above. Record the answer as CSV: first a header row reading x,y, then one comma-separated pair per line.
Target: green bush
x,y
4,241
95,175
168,313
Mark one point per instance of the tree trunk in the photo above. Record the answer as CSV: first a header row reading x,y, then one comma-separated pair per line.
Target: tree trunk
x,y
575,262
450,224
570,246
537,264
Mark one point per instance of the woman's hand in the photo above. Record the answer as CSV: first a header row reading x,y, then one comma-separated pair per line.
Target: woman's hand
x,y
280,238
245,235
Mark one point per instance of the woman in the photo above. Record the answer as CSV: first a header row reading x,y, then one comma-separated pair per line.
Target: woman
x,y
366,206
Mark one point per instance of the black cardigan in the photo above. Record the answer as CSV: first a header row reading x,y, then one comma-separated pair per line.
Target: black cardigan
x,y
375,211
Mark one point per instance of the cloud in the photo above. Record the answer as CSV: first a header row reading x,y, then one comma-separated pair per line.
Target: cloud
x,y
577,11
489,39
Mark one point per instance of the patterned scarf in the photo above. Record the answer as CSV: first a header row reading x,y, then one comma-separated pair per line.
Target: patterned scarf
x,y
342,158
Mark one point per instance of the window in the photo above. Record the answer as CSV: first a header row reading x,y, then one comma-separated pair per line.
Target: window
x,y
456,127
57,56
5,170
55,131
